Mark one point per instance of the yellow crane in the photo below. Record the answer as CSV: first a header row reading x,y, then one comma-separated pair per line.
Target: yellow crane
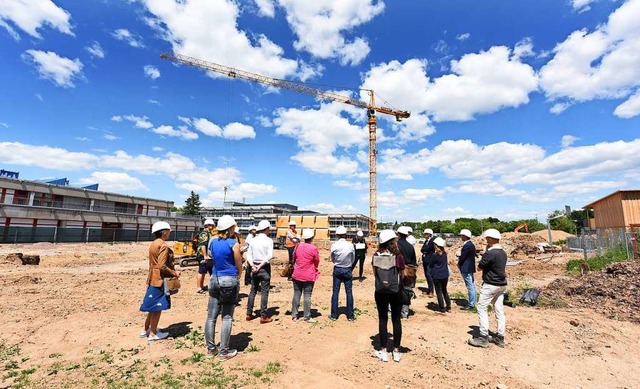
x,y
299,87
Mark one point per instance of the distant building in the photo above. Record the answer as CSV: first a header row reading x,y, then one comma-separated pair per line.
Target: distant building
x,y
617,210
32,211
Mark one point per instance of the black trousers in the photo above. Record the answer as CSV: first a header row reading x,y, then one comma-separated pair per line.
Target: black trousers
x,y
443,295
383,301
359,259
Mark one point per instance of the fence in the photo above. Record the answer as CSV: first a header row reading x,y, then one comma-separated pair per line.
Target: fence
x,y
597,242
81,235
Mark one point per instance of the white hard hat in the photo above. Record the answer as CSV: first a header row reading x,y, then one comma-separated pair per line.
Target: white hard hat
x,y
466,233
439,242
292,223
342,230
387,235
226,222
263,225
209,222
410,230
404,230
492,233
159,226
252,227
359,233
428,231
308,233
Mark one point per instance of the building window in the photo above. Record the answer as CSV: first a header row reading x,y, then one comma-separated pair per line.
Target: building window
x,y
21,197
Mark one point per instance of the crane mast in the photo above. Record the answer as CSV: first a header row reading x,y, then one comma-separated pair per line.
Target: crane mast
x,y
371,108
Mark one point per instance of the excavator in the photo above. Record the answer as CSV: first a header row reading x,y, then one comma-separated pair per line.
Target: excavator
x,y
521,226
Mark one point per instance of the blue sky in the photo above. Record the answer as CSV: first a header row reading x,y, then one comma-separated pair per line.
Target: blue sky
x,y
517,107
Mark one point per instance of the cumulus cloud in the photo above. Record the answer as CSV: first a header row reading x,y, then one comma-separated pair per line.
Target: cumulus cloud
x,y
559,108
410,196
599,64
31,15
353,185
629,108
582,5
113,181
234,130
95,50
266,8
133,39
16,153
152,72
186,25
179,132
50,66
138,121
332,208
568,140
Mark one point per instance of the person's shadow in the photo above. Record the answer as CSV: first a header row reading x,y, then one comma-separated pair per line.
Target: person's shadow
x,y
240,341
178,330
433,306
375,343
474,331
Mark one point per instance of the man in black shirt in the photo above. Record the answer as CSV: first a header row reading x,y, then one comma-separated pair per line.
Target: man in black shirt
x,y
410,261
494,284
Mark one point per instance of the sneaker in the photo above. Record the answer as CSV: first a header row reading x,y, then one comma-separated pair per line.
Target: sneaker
x,y
265,320
332,318
382,355
212,353
144,333
466,308
158,336
497,340
351,319
228,355
310,320
294,318
396,356
480,341
202,291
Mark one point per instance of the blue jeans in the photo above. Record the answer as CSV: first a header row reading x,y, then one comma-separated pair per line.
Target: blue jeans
x,y
471,287
215,308
340,275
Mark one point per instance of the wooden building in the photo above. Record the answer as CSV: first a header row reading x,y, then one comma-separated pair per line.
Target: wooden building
x,y
617,210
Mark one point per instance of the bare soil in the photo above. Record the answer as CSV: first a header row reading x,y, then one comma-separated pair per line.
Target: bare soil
x,y
73,321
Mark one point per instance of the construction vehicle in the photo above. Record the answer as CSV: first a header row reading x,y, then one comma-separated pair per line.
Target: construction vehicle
x,y
371,108
185,251
521,226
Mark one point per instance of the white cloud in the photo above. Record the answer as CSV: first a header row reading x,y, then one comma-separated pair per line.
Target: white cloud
x,y
559,108
582,5
629,108
187,25
353,185
138,121
133,39
44,156
50,66
230,131
110,137
116,118
602,64
238,131
157,148
82,138
331,208
321,25
180,132
266,8
39,97
113,181
463,36
568,140
523,49
152,101
152,72
31,15
408,197
3,124
95,50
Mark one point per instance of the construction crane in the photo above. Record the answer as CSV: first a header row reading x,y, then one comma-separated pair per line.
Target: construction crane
x,y
299,87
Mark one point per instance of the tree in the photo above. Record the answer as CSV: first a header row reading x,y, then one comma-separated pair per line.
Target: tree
x,y
562,222
192,205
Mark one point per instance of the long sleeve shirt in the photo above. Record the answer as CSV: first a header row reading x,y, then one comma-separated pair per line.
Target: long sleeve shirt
x,y
260,250
493,264
467,259
306,264
342,253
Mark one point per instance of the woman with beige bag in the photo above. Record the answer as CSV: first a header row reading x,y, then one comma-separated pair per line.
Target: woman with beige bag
x,y
161,268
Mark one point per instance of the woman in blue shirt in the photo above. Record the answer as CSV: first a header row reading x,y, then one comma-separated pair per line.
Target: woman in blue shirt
x,y
224,286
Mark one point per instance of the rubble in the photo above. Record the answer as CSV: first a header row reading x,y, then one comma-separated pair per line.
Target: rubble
x,y
21,259
613,291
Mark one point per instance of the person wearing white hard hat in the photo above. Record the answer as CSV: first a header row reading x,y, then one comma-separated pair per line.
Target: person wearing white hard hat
x,y
160,267
427,250
494,284
224,287
410,261
410,238
440,272
467,266
291,240
360,246
305,274
259,257
388,270
205,264
342,255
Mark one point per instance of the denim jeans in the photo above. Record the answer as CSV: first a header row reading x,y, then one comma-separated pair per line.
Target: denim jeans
x,y
299,288
215,308
491,294
262,280
471,287
340,275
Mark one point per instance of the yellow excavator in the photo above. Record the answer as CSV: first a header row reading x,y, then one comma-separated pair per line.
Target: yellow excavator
x,y
185,251
521,226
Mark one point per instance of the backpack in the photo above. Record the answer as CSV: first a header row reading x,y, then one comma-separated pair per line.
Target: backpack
x,y
386,275
530,296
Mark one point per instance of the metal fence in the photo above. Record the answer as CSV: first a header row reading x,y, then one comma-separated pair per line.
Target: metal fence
x,y
597,242
81,235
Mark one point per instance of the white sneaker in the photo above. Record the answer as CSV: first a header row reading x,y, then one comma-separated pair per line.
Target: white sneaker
x,y
158,336
396,356
144,333
382,355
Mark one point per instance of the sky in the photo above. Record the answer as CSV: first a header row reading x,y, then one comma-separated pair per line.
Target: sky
x,y
518,108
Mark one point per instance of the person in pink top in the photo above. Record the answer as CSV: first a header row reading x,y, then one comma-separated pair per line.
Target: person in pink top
x,y
305,273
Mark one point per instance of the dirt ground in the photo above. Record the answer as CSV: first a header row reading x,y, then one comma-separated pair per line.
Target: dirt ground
x,y
73,321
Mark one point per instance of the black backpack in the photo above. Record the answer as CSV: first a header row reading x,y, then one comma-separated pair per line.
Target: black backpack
x,y
530,296
386,275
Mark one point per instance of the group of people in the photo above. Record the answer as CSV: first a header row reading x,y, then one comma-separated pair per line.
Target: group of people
x,y
394,265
